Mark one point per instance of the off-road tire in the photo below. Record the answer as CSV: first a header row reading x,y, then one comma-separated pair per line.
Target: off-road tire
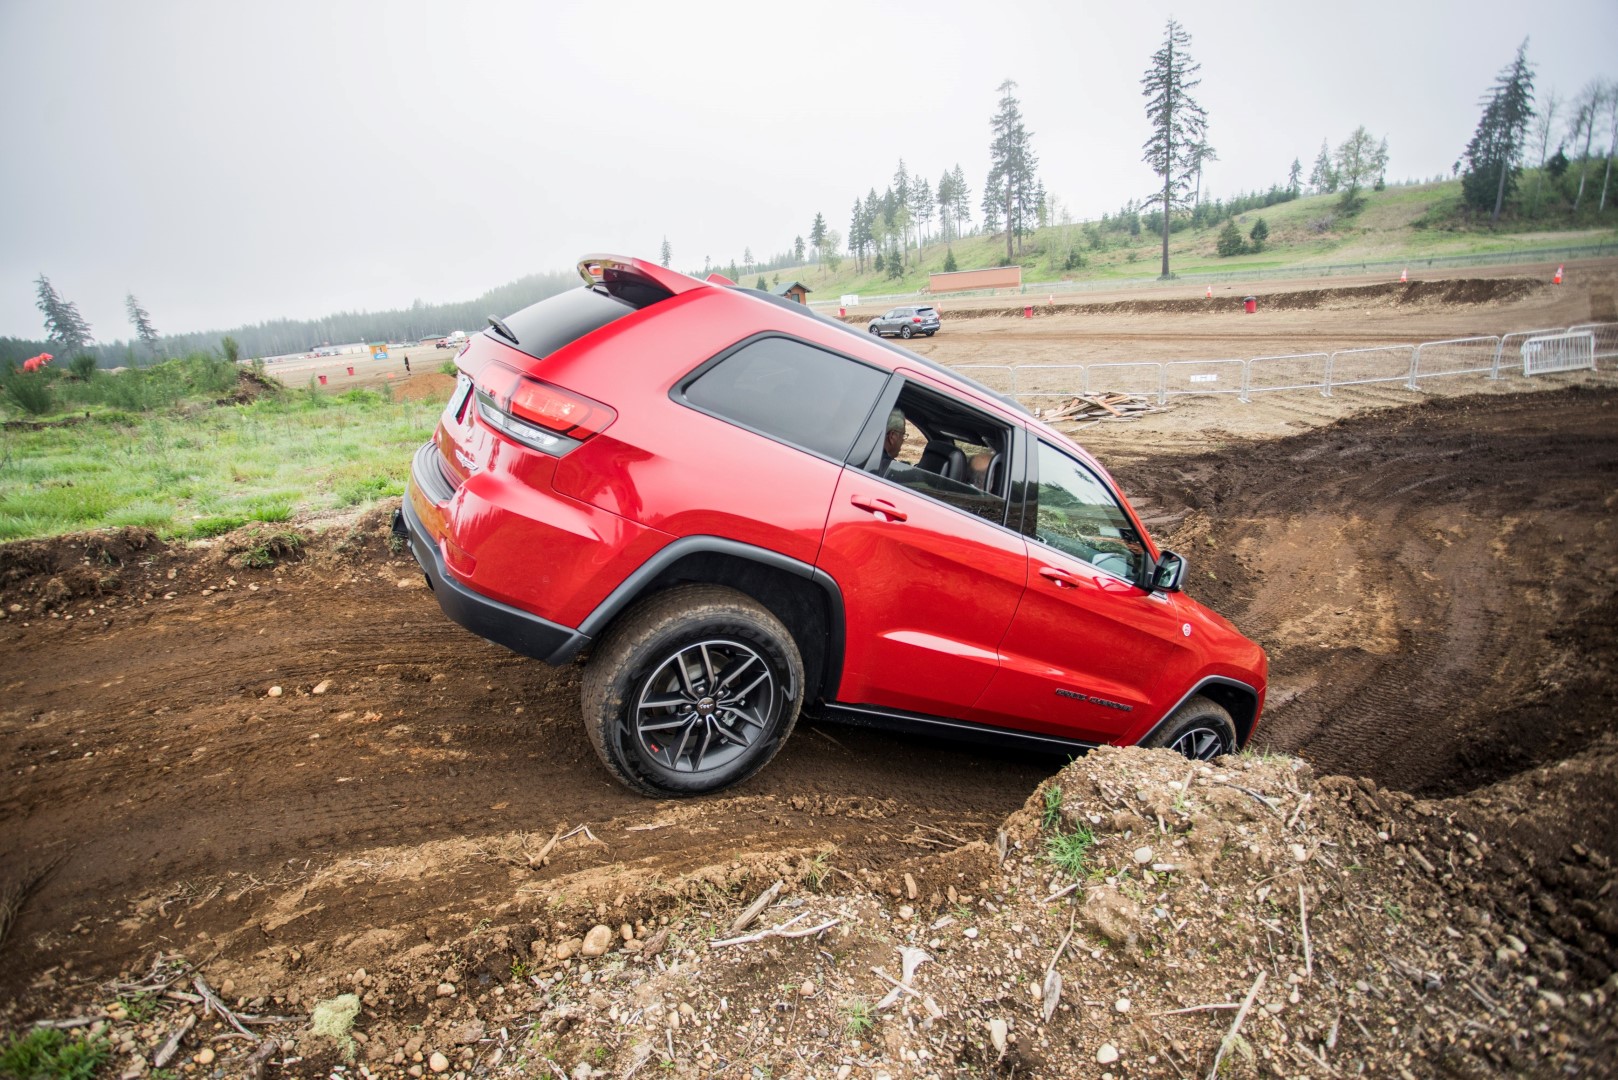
x,y
1193,729
642,646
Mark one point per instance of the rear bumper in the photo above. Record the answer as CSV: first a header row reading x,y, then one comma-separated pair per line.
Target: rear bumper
x,y
517,630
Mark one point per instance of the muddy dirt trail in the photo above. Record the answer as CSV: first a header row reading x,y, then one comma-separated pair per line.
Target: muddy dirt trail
x,y
1435,586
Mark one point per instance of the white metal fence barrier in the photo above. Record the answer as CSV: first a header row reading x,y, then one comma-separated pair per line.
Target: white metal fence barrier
x,y
1540,352
1572,351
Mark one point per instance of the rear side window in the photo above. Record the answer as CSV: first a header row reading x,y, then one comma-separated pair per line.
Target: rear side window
x,y
562,319
790,391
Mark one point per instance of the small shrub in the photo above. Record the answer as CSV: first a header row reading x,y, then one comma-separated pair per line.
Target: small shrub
x,y
30,392
83,367
51,1054
448,368
272,511
265,548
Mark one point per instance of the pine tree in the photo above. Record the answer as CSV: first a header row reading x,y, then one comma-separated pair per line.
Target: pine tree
x,y
62,320
1496,147
901,198
667,254
962,210
1322,180
1230,240
1293,176
1179,124
1013,169
817,235
1260,233
142,323
946,204
797,249
950,266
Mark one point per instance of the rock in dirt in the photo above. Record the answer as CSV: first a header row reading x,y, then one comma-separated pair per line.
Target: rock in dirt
x,y
597,941
1107,1054
438,1063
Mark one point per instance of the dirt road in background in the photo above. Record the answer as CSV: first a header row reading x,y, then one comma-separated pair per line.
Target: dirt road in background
x,y
307,768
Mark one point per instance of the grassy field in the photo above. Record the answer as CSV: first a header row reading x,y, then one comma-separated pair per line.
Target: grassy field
x,y
1415,222
195,467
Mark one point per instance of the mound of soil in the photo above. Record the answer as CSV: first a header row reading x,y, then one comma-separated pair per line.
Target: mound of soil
x,y
435,386
1443,293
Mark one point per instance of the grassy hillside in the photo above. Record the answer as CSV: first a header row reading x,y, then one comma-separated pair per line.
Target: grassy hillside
x,y
1414,222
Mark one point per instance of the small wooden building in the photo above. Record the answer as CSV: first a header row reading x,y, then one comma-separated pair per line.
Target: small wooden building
x,y
793,290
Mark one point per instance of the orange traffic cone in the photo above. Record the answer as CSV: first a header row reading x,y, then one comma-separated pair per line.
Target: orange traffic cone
x,y
1404,276
1210,292
1557,280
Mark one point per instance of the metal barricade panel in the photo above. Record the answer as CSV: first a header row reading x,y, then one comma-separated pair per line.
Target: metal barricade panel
x,y
1606,338
1001,378
1143,379
1456,356
1185,377
1049,380
1378,364
1573,351
1299,371
1509,351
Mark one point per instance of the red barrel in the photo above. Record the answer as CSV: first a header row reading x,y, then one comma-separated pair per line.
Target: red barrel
x,y
841,312
322,380
1028,312
1250,304
351,371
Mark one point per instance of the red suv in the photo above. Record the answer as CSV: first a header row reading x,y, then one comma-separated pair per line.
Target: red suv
x,y
739,510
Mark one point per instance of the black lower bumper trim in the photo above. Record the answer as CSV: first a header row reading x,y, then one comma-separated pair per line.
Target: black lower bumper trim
x,y
517,630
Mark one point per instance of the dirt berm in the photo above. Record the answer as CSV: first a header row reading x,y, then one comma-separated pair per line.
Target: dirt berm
x,y
268,769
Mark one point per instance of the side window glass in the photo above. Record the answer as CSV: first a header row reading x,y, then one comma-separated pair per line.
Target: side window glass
x,y
792,392
947,451
1077,515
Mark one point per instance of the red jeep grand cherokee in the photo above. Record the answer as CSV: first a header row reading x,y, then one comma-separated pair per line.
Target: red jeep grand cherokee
x,y
741,509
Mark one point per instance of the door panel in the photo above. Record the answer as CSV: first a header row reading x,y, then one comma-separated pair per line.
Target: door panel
x,y
936,589
1089,651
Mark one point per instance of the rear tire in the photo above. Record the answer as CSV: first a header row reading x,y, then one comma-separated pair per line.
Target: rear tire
x,y
693,690
1199,729
905,332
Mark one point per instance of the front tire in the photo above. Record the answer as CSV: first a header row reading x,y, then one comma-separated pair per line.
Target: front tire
x,y
875,331
692,691
1200,729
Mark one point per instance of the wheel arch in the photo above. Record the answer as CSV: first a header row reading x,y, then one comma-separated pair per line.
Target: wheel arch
x,y
1236,698
805,599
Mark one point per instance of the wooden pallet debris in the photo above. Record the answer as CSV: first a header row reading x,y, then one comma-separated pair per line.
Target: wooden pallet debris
x,y
1119,407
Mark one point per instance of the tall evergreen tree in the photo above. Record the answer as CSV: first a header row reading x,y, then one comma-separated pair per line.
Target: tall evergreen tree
x,y
797,249
946,204
1322,180
142,323
1179,124
817,235
963,197
921,207
1293,178
1013,169
901,197
62,320
1493,154
666,256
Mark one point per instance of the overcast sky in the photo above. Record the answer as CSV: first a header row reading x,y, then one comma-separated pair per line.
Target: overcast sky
x,y
230,162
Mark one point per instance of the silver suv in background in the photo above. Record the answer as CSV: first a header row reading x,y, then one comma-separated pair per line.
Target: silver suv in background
x,y
907,322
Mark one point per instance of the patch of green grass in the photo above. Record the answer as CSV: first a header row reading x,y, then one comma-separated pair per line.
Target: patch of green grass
x,y
139,1007
50,1054
1051,816
1393,911
199,469
858,1016
271,547
1069,852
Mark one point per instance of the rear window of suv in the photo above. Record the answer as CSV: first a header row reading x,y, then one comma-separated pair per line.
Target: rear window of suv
x,y
790,391
562,319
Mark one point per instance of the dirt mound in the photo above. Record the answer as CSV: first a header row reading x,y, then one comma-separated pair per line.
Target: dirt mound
x,y
42,575
433,385
1442,576
1449,292
1140,914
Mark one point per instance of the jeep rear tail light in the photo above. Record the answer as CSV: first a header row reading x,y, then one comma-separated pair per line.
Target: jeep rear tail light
x,y
537,414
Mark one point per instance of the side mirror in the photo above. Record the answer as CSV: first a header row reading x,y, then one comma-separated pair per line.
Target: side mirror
x,y
1169,574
